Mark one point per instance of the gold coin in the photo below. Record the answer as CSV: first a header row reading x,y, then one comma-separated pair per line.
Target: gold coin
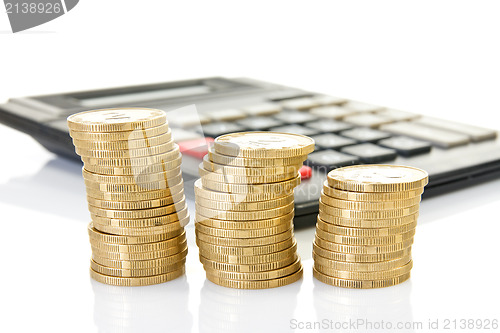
x,y
232,233
232,179
245,206
359,266
172,220
365,232
136,281
247,250
135,179
106,204
244,225
168,252
361,258
368,241
245,241
370,196
132,161
118,272
211,265
250,260
141,264
139,213
136,134
263,145
124,144
208,194
136,196
380,275
126,153
367,214
366,223
116,239
369,205
363,249
262,284
278,189
142,187
116,120
290,170
179,242
357,284
245,216
164,226
135,170
377,178
253,162
257,276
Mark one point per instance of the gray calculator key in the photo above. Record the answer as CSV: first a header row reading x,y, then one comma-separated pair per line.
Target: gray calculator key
x,y
259,123
437,137
329,100
362,107
330,159
332,141
262,109
397,115
295,117
226,115
332,112
406,146
364,134
474,133
295,129
304,103
367,119
329,125
213,130
188,120
370,153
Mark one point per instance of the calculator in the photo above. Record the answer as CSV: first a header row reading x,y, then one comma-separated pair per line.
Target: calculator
x,y
346,132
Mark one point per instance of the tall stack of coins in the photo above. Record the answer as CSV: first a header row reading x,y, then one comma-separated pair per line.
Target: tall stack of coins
x,y
366,223
135,195
245,209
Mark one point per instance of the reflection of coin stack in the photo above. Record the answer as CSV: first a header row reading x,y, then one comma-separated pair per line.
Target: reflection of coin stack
x,y
245,209
135,195
366,223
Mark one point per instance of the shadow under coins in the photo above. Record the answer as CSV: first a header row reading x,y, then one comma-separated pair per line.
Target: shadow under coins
x,y
238,310
337,306
157,308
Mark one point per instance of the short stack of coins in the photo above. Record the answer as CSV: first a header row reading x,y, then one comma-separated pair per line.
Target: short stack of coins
x,y
135,195
245,209
366,223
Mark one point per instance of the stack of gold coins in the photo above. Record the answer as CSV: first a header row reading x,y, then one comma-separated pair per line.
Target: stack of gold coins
x,y
245,209
366,223
135,195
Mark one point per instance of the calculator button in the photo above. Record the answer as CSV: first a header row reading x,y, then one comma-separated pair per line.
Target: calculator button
x,y
188,120
438,137
397,115
367,119
332,141
262,109
305,172
197,148
295,117
179,134
362,107
332,112
370,153
330,159
406,146
282,95
329,100
329,126
304,103
259,123
226,115
213,130
296,129
474,133
364,134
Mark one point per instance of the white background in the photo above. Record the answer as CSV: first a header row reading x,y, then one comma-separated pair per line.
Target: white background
x,y
431,57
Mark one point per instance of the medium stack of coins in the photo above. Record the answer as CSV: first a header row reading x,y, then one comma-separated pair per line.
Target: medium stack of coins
x,y
366,223
245,209
135,195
